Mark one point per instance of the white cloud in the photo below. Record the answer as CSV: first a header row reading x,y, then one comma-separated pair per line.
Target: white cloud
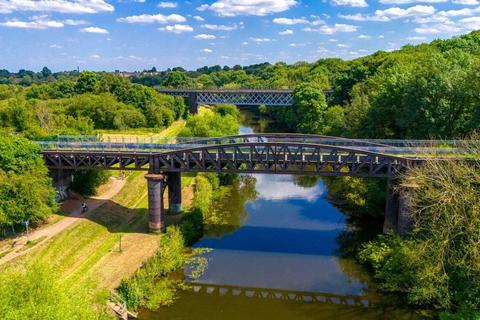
x,y
153,18
177,28
71,22
460,12
260,40
198,18
282,187
364,36
471,23
56,46
94,30
416,38
410,1
341,45
351,3
33,24
206,50
41,22
290,21
95,56
204,36
438,28
466,2
62,6
392,14
286,32
167,5
338,27
231,8
220,27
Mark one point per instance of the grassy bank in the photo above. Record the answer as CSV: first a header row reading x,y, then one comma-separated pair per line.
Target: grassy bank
x,y
87,255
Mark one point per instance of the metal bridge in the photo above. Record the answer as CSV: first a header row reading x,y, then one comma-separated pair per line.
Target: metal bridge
x,y
277,98
165,160
255,153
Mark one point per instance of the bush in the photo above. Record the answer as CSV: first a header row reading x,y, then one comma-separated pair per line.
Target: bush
x,y
146,288
439,264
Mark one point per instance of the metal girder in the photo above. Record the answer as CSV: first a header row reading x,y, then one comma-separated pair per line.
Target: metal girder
x,y
246,157
237,97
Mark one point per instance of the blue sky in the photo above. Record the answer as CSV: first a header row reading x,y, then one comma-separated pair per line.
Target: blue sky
x,y
138,34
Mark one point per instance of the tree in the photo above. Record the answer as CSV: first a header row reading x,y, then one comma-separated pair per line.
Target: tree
x,y
310,107
86,82
46,72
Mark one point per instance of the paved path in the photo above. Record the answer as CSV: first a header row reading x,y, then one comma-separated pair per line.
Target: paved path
x,y
71,206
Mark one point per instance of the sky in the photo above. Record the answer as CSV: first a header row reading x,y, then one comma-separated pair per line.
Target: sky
x,y
133,35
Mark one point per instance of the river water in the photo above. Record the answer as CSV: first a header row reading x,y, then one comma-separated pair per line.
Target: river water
x,y
278,257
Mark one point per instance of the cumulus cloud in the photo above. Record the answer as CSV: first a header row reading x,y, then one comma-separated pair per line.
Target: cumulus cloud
x,y
364,36
220,27
392,14
204,36
41,22
260,40
153,18
411,1
198,18
62,6
416,38
95,30
472,23
466,2
177,28
290,21
231,8
338,27
167,5
286,32
351,3
206,50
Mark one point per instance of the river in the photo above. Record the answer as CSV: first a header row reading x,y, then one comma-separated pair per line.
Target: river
x,y
279,258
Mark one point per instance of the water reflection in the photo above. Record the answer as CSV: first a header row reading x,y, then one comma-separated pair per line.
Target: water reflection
x,y
287,241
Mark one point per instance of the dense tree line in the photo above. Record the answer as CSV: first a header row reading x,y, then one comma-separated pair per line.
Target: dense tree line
x,y
92,101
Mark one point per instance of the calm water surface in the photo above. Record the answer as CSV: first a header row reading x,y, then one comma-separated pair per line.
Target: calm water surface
x,y
279,259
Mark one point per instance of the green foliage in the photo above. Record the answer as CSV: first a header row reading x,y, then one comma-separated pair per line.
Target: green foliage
x,y
26,192
86,182
35,292
203,196
439,264
310,107
211,124
146,288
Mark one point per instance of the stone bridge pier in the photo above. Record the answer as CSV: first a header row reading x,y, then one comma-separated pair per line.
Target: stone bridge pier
x,y
61,179
157,184
397,208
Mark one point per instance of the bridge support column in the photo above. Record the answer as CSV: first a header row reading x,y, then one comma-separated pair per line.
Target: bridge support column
x,y
405,222
156,214
174,181
398,217
192,102
61,178
391,208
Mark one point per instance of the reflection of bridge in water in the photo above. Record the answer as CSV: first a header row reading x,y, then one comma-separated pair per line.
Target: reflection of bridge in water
x,y
281,294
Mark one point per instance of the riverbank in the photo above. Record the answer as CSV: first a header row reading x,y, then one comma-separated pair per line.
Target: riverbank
x,y
105,246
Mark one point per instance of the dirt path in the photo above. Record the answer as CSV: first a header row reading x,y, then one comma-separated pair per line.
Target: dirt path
x,y
70,206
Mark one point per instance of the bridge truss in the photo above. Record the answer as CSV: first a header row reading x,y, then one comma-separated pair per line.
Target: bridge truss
x,y
246,157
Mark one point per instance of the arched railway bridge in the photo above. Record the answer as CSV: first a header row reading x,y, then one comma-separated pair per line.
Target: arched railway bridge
x,y
165,161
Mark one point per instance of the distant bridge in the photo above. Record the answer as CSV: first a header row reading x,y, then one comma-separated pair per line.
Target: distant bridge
x,y
239,97
286,153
